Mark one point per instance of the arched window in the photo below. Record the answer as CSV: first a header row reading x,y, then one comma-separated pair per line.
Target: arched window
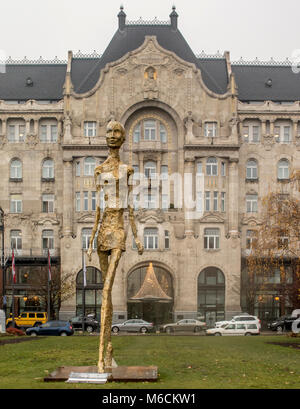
x,y
92,292
211,295
211,167
89,166
251,169
48,169
283,169
16,169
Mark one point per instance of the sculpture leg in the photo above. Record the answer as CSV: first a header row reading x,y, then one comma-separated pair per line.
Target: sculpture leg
x,y
107,311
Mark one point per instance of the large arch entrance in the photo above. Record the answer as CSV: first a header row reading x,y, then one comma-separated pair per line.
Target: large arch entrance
x,y
150,294
211,295
89,297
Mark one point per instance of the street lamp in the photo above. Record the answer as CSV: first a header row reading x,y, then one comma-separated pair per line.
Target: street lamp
x,y
2,258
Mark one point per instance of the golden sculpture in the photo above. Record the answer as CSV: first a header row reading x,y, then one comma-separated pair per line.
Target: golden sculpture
x,y
113,177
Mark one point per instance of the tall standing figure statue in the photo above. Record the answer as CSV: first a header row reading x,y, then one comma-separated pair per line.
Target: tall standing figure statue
x,y
113,177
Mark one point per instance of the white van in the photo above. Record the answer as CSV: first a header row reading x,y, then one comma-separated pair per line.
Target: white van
x,y
235,328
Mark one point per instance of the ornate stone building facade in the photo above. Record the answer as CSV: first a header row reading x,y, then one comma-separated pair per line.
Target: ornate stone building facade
x,y
236,125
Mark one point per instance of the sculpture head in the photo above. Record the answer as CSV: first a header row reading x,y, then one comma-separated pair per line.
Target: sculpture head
x,y
115,134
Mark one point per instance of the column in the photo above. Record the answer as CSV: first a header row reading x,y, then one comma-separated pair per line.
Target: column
x,y
188,196
68,200
233,196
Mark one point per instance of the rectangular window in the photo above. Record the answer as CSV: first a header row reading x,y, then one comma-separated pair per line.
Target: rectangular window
x,y
223,169
215,201
211,239
86,201
48,203
167,240
48,133
255,133
53,133
164,172
47,240
86,237
210,129
251,203
246,133
77,169
93,200
16,240
16,203
250,238
207,201
137,133
16,133
199,203
150,130
286,134
199,168
77,201
163,133
136,172
151,239
90,128
222,201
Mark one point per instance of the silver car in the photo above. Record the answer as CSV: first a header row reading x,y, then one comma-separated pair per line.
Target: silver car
x,y
134,325
185,325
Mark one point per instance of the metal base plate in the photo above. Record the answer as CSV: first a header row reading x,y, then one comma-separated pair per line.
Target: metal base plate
x,y
84,377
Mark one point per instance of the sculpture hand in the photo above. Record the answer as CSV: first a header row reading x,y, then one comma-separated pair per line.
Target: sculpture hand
x,y
89,253
139,246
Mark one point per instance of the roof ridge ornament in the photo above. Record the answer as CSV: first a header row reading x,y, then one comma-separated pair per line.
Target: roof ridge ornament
x,y
174,18
122,18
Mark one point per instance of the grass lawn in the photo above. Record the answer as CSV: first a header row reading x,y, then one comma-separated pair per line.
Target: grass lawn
x,y
183,361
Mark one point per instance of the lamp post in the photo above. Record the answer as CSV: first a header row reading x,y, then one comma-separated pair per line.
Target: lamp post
x,y
2,258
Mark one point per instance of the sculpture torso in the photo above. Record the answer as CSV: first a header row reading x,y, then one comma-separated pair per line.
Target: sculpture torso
x,y
112,176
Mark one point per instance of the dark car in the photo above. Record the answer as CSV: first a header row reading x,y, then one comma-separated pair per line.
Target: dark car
x,y
90,324
62,328
283,323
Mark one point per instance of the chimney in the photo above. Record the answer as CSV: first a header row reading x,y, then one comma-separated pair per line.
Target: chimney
x,y
174,17
122,19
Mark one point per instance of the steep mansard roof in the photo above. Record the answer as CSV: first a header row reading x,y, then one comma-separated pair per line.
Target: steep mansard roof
x,y
48,79
254,85
86,73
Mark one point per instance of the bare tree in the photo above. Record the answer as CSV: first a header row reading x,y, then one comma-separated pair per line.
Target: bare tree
x,y
61,288
273,261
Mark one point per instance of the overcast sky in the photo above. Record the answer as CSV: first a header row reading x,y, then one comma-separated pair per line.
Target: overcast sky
x,y
247,28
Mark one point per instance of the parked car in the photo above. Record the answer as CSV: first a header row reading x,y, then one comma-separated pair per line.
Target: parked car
x,y
283,323
62,328
134,325
235,329
296,313
185,325
240,318
90,324
28,319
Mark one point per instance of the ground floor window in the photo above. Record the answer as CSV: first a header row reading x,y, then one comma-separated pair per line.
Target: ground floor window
x,y
150,309
88,298
211,296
